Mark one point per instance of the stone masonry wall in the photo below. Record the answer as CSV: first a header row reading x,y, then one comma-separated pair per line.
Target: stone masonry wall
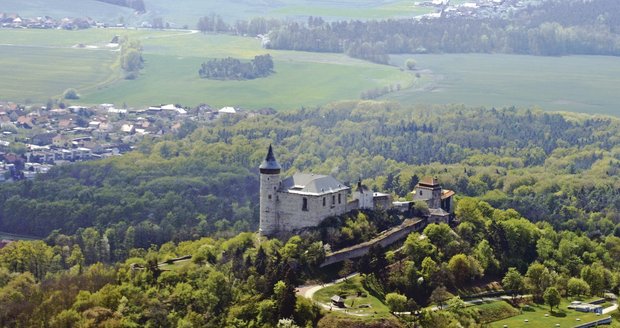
x,y
387,238
292,217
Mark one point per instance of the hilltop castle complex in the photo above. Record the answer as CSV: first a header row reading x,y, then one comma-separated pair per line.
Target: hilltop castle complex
x,y
304,200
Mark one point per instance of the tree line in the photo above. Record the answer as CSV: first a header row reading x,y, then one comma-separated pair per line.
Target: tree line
x,y
233,69
131,60
549,28
137,5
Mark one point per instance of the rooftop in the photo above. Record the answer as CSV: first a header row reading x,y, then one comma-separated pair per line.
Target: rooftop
x,y
312,184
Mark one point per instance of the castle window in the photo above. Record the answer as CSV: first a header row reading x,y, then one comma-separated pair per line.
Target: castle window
x,y
333,199
420,192
269,196
323,201
339,199
274,188
304,204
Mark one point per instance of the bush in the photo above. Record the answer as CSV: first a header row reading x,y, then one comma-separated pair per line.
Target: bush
x,y
71,94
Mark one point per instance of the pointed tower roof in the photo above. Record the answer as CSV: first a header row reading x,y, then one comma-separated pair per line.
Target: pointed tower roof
x,y
270,164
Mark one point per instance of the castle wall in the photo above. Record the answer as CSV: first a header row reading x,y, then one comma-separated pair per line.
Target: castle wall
x,y
388,238
293,217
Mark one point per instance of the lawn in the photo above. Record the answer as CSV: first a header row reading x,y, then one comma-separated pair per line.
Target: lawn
x,y
45,63
585,84
535,314
350,289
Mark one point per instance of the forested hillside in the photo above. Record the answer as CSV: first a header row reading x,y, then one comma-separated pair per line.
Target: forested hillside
x,y
549,28
544,214
552,167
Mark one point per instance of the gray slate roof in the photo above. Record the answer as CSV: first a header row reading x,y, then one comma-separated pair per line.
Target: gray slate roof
x,y
270,162
312,184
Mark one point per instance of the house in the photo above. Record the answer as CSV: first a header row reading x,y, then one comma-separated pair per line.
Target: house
x,y
338,301
365,198
227,110
44,139
430,191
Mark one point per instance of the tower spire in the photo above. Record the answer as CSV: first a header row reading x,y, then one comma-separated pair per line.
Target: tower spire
x,y
270,165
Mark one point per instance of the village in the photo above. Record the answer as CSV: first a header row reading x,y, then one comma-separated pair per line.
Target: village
x,y
33,140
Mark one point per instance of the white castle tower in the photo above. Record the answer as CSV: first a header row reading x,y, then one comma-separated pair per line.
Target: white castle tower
x,y
269,184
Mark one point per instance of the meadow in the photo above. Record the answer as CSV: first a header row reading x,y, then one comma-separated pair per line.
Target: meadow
x,y
187,12
535,316
37,74
587,84
66,8
45,63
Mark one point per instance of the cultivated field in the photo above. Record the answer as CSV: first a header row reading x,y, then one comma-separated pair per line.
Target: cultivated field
x,y
66,8
586,84
43,63
187,12
37,74
49,63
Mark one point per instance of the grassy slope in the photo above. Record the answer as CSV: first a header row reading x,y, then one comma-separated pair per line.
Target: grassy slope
x,y
65,8
189,11
350,288
170,76
575,83
35,74
536,317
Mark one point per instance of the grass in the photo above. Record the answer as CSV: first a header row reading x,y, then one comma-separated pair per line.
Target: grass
x,y
493,311
535,314
66,8
382,11
187,12
575,83
45,65
34,75
350,289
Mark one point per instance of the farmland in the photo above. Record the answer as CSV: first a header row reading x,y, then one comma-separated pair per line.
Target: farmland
x,y
172,59
43,63
585,84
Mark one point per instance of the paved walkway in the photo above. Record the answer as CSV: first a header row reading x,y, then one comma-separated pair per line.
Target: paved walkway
x,y
610,309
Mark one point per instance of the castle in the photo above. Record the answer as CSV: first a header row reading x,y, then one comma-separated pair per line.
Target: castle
x,y
304,200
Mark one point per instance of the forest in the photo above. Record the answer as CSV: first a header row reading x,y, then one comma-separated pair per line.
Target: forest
x,y
233,69
552,28
549,28
538,203
137,5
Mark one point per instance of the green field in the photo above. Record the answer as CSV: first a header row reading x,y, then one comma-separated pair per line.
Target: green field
x,y
350,288
187,12
44,64
586,84
36,74
65,8
535,315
